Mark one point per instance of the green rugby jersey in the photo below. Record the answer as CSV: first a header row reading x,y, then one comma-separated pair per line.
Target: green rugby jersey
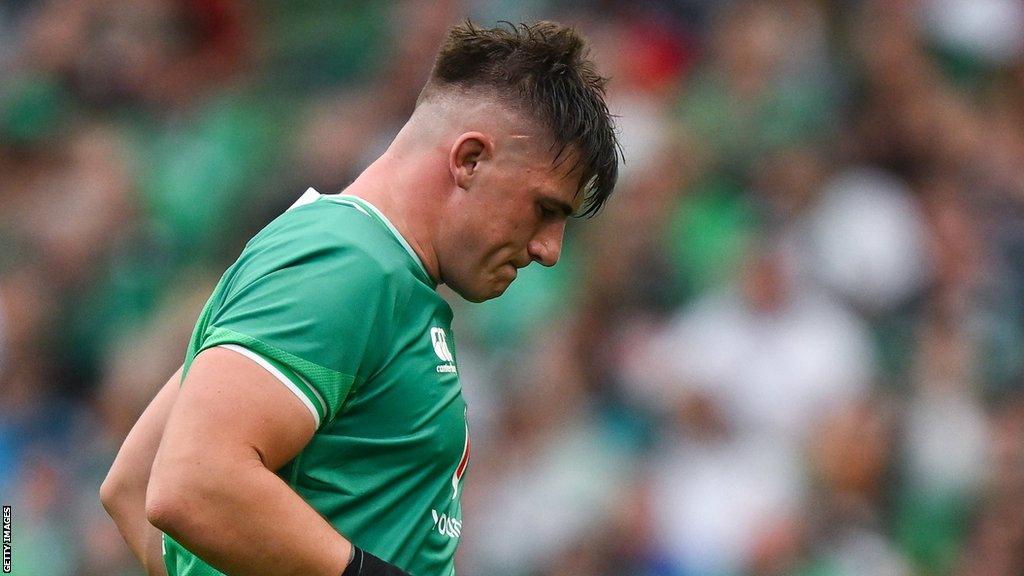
x,y
331,300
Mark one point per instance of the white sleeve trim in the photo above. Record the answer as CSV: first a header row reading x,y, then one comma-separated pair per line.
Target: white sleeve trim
x,y
276,374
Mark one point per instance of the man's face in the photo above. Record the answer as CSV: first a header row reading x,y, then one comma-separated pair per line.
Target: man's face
x,y
509,208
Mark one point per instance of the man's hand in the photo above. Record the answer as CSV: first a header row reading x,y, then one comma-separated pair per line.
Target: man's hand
x,y
213,487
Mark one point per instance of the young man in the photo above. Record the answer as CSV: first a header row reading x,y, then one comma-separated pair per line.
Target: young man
x,y
317,426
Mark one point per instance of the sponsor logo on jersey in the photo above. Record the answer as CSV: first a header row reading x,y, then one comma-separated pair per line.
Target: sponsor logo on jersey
x,y
440,342
447,525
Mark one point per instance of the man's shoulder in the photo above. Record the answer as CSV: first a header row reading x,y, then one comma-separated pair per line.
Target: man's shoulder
x,y
327,220
332,235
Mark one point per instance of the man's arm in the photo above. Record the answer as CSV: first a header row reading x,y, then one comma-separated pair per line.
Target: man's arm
x,y
123,492
213,486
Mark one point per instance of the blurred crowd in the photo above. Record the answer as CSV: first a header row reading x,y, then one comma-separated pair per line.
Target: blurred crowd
x,y
793,344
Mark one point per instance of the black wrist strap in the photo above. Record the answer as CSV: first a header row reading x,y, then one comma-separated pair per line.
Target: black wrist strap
x,y
365,564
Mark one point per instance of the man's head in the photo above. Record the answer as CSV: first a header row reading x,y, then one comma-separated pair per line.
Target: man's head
x,y
519,113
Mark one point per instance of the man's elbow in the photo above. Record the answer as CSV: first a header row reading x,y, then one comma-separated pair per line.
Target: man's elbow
x,y
166,507
179,504
115,490
109,492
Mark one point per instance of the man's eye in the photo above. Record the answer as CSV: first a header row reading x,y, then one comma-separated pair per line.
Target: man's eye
x,y
546,212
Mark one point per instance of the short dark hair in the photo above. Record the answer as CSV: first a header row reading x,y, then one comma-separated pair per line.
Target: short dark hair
x,y
543,68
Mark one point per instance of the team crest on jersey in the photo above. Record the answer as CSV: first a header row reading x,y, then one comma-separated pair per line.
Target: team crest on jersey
x,y
440,342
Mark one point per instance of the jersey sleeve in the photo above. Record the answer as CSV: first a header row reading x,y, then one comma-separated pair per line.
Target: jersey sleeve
x,y
319,316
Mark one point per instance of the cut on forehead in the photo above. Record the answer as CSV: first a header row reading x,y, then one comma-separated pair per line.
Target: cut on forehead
x,y
557,177
541,151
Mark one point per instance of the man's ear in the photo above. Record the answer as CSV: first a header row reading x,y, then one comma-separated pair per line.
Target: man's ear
x,y
466,154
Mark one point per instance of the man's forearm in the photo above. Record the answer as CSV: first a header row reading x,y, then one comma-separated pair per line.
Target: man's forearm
x,y
123,492
144,540
242,519
154,552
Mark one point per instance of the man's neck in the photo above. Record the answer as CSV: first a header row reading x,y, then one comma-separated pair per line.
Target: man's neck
x,y
405,202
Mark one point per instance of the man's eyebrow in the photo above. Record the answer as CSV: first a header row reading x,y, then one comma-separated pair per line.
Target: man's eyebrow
x,y
564,207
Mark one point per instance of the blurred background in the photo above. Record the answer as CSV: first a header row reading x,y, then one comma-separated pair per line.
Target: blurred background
x,y
793,344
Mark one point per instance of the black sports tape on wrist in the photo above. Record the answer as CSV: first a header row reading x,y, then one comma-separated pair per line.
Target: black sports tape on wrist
x,y
365,564
373,566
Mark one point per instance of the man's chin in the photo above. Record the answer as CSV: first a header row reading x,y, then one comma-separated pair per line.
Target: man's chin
x,y
483,294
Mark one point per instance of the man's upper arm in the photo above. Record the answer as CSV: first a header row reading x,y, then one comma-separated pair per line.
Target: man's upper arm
x,y
315,305
230,408
213,489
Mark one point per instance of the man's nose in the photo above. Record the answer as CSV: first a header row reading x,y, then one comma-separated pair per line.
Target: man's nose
x,y
546,246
